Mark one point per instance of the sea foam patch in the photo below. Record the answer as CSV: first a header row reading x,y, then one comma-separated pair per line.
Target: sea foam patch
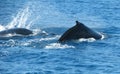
x,y
86,40
58,46
90,39
50,38
2,28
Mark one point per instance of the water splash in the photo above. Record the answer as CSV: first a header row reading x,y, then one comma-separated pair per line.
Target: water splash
x,y
58,46
21,20
103,36
86,40
2,28
90,39
50,38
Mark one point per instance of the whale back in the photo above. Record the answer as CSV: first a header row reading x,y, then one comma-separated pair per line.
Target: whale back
x,y
79,31
21,31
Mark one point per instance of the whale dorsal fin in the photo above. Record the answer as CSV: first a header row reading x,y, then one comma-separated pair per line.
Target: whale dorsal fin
x,y
79,23
79,31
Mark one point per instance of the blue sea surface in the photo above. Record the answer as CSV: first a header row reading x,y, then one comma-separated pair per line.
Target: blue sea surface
x,y
49,19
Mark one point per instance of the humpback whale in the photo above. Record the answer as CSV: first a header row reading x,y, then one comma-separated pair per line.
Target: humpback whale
x,y
79,31
20,31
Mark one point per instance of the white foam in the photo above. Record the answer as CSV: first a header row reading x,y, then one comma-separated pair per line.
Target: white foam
x,y
2,28
22,19
86,40
26,44
103,36
36,31
58,46
10,35
50,38
90,39
11,43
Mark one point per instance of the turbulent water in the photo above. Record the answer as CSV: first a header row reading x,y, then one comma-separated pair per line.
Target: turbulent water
x,y
41,53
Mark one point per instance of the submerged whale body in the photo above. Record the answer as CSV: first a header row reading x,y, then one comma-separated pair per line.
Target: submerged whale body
x,y
20,31
79,31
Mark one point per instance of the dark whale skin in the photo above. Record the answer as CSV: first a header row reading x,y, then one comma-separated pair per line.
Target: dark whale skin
x,y
21,31
79,31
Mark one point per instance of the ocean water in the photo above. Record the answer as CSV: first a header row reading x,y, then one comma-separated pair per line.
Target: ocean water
x,y
49,19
